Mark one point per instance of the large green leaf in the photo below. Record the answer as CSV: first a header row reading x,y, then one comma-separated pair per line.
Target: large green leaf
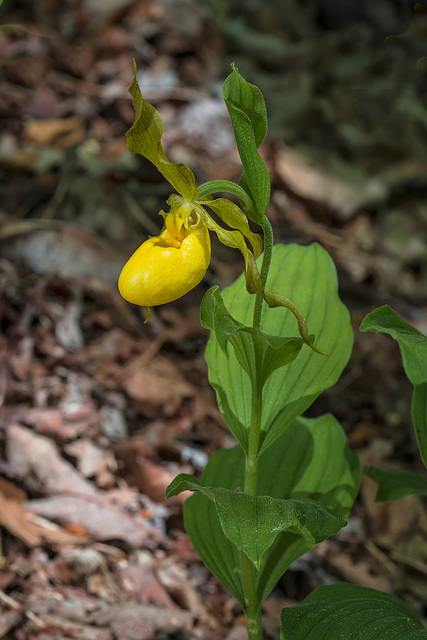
x,y
145,136
258,354
307,276
342,611
394,484
252,523
310,460
246,107
413,347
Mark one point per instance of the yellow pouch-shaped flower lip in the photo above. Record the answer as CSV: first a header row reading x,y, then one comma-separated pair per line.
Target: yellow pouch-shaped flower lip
x,y
167,266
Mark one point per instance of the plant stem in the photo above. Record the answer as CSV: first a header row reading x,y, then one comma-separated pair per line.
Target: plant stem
x,y
252,612
248,571
268,251
251,468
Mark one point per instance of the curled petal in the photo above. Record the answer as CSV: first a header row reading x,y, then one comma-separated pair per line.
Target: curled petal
x,y
233,238
234,217
277,300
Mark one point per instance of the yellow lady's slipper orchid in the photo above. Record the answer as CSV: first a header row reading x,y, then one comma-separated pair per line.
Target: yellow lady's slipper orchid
x,y
167,266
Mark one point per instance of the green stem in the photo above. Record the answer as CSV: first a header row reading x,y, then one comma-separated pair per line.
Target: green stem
x,y
266,261
248,571
252,612
251,470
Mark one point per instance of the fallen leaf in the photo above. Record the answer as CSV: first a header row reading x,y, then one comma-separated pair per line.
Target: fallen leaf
x,y
30,454
11,491
9,620
92,461
15,518
58,247
175,578
20,521
163,620
345,189
156,385
139,580
100,519
139,471
59,133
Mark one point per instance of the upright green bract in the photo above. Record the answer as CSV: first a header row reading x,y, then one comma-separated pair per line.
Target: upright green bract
x,y
246,106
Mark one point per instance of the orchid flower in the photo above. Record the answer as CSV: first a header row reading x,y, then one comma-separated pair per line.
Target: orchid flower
x,y
167,266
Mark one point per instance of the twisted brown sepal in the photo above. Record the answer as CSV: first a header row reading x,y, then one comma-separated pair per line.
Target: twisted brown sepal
x,y
277,300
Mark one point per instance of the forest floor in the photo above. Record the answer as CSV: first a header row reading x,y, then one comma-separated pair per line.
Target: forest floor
x,y
99,411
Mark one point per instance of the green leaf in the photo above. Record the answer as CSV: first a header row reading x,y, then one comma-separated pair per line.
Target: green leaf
x,y
413,347
307,276
258,354
145,136
419,418
343,611
214,316
310,461
253,522
246,107
394,484
412,343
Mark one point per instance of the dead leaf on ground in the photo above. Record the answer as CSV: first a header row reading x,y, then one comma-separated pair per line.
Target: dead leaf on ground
x,y
100,519
345,190
9,620
20,521
61,248
175,578
155,385
140,582
59,627
139,471
362,572
92,461
36,456
10,491
130,616
15,518
59,133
